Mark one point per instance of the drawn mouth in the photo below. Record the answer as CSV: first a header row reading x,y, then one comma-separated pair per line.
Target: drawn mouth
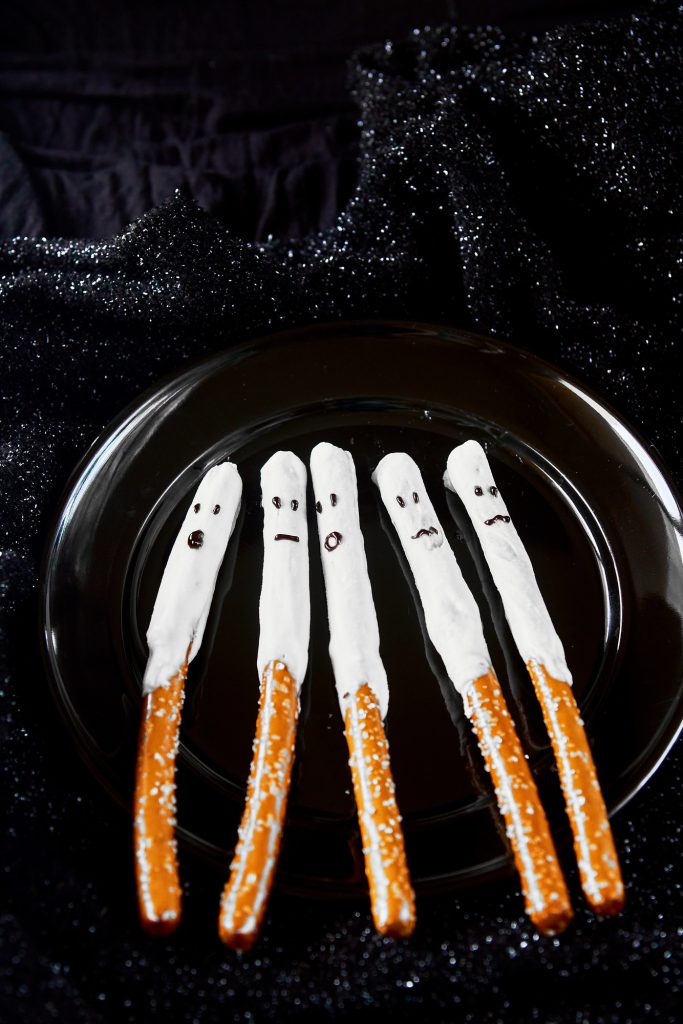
x,y
333,540
425,533
286,536
503,519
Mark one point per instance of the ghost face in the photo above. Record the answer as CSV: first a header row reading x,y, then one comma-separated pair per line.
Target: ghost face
x,y
196,537
334,537
407,502
283,490
490,493
336,501
469,474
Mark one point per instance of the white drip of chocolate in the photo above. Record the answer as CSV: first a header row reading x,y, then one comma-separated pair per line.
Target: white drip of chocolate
x,y
186,590
451,614
285,604
469,474
354,633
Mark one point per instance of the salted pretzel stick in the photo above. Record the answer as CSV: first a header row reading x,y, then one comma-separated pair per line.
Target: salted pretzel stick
x,y
284,614
469,474
174,637
362,688
244,899
454,626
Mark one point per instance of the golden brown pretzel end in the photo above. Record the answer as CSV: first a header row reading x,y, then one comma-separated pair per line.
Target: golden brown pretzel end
x,y
154,812
545,892
244,899
391,895
593,841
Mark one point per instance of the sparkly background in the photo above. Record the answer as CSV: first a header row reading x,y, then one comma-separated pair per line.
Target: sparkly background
x,y
526,186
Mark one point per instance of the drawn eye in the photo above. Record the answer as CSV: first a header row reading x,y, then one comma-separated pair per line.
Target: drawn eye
x,y
277,502
294,504
318,507
478,491
400,500
415,497
197,507
333,500
493,491
216,509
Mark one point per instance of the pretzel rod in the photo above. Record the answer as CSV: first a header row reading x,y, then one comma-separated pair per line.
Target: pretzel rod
x,y
536,638
251,873
454,626
154,816
174,636
282,659
391,895
593,841
362,687
545,893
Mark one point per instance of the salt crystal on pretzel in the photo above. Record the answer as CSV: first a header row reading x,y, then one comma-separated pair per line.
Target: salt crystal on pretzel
x,y
285,616
174,636
454,626
362,687
469,475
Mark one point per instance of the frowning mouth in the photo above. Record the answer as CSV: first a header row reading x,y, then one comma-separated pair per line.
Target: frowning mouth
x,y
503,519
286,536
425,533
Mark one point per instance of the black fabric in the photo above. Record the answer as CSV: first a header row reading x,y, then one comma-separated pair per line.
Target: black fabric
x,y
527,185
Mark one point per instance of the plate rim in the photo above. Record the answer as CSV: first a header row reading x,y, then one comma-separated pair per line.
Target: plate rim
x,y
181,377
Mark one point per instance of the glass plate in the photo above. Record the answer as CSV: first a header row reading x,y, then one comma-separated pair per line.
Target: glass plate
x,y
601,521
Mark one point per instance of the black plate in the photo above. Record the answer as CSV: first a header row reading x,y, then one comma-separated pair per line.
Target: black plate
x,y
600,519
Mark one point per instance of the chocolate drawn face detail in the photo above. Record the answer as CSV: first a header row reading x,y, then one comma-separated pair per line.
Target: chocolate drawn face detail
x,y
197,508
400,500
294,505
478,491
495,519
415,497
333,540
196,539
216,509
425,533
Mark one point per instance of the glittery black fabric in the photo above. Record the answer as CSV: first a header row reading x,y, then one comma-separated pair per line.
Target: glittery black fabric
x,y
526,186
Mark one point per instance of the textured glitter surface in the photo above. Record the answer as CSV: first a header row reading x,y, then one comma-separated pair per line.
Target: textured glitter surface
x,y
528,187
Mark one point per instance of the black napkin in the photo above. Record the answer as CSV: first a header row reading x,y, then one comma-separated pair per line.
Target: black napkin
x,y
524,185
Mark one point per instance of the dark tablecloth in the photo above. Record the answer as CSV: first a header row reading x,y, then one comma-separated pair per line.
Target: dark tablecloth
x,y
521,180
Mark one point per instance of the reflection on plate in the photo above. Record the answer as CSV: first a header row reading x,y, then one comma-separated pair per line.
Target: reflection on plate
x,y
599,518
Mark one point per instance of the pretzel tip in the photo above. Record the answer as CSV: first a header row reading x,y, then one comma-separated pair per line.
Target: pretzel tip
x,y
593,841
246,892
161,926
392,900
400,925
553,920
610,904
238,938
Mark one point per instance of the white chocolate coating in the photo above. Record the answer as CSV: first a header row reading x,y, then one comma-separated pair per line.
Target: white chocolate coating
x,y
189,579
354,633
451,613
510,565
285,604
